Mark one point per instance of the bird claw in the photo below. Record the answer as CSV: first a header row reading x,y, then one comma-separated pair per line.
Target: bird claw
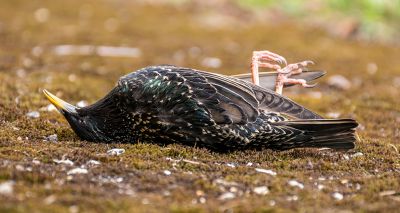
x,y
268,56
306,85
267,59
295,68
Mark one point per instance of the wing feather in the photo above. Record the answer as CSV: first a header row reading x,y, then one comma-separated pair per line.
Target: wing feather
x,y
268,79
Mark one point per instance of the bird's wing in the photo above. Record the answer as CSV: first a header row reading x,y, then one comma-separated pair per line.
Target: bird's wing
x,y
268,79
228,100
274,102
241,101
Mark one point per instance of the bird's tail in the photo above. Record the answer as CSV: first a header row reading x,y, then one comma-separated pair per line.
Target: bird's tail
x,y
268,79
329,133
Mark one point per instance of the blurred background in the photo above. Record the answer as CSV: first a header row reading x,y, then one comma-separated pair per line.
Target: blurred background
x,y
78,49
94,42
209,34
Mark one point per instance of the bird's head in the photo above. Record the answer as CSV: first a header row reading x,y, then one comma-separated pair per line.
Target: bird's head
x,y
89,123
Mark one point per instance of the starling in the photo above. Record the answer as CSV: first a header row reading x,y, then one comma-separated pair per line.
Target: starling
x,y
168,104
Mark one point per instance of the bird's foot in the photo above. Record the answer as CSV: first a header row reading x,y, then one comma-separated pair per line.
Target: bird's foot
x,y
265,59
289,70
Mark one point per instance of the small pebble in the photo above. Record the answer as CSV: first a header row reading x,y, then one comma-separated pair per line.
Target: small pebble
x,y
310,165
200,193
261,190
232,165
372,68
337,196
27,62
37,51
340,82
66,162
93,162
52,138
115,152
333,114
223,182
358,186
167,172
166,193
387,193
42,15
73,209
194,51
49,108
211,62
50,199
227,196
357,154
33,114
109,179
233,189
19,168
77,171
272,202
202,200
21,73
72,77
266,171
7,188
314,94
295,183
82,103
292,198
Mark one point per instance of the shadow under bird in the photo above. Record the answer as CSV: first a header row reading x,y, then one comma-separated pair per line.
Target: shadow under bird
x,y
169,104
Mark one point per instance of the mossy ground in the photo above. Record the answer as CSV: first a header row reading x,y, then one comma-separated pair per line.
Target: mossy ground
x,y
184,35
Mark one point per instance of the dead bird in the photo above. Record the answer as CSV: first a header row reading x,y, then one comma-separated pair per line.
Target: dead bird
x,y
168,104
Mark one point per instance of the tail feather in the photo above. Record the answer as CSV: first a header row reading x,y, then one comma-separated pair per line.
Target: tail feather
x,y
268,79
329,133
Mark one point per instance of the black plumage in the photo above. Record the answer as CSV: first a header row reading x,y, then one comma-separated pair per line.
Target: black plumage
x,y
168,104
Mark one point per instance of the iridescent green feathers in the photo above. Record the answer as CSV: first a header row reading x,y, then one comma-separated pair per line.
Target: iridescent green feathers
x,y
168,104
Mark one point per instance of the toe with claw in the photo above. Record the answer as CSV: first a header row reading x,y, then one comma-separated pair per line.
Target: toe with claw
x,y
289,70
267,59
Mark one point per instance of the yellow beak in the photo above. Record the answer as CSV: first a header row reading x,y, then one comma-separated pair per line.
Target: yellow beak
x,y
60,104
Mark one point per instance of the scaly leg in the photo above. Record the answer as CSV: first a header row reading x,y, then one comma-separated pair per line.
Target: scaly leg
x,y
265,59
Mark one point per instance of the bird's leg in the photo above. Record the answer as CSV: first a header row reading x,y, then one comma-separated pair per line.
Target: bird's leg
x,y
289,70
265,59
